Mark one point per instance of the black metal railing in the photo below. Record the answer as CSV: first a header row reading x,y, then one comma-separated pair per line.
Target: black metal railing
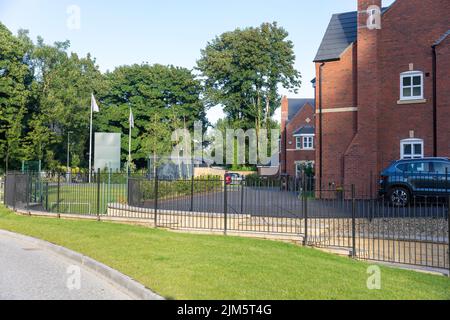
x,y
367,223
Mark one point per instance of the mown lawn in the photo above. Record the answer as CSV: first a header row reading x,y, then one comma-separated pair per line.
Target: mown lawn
x,y
185,266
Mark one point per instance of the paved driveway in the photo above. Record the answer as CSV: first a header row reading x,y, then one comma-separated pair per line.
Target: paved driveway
x,y
271,202
30,273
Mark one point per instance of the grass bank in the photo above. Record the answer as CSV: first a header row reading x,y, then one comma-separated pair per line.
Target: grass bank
x,y
185,266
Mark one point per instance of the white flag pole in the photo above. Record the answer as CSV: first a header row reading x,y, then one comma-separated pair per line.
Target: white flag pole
x,y
90,145
131,120
94,108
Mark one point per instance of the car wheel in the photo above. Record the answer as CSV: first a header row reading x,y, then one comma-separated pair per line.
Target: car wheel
x,y
399,197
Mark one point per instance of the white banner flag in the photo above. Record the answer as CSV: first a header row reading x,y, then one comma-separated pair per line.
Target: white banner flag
x,y
131,120
94,105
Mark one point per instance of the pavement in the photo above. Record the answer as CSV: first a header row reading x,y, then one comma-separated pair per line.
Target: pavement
x,y
30,272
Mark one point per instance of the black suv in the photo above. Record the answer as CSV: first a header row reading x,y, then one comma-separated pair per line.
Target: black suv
x,y
406,179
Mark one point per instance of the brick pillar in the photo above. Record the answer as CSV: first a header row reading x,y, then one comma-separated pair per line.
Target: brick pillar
x,y
362,156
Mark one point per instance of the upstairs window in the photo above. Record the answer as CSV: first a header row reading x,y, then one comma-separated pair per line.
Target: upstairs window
x,y
304,142
411,85
412,149
308,142
298,143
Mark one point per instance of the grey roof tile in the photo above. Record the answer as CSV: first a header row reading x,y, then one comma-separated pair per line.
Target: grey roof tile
x,y
305,130
341,32
295,105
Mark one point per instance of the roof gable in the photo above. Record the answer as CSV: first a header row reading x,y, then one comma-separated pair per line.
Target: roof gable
x,y
342,31
295,105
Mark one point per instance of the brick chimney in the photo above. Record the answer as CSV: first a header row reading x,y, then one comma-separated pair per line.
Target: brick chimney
x,y
361,158
284,112
367,69
369,11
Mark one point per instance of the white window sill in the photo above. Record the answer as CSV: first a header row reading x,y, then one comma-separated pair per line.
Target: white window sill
x,y
412,101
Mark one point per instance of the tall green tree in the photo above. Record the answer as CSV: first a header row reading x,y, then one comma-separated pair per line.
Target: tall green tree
x,y
151,91
60,102
155,140
243,70
15,81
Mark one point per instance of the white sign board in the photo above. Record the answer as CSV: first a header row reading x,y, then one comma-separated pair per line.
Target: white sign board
x,y
107,151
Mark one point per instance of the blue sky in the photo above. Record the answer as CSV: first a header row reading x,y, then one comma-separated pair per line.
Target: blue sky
x,y
171,31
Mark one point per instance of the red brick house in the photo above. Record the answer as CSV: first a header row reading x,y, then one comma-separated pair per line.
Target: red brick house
x,y
297,135
382,93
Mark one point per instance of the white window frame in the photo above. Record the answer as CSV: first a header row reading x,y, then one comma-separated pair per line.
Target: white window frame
x,y
411,142
301,165
298,169
301,142
411,75
306,144
298,143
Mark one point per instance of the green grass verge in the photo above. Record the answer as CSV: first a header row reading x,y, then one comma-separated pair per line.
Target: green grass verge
x,y
185,266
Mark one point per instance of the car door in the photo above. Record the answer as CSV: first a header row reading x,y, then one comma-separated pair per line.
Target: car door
x,y
442,176
421,178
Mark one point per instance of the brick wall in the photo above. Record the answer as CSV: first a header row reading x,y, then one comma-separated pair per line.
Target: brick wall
x,y
368,77
289,156
338,91
443,97
409,29
300,120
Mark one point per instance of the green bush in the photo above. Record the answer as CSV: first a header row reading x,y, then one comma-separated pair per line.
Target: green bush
x,y
179,188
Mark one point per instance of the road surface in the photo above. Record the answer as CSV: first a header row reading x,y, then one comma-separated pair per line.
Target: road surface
x,y
28,272
270,202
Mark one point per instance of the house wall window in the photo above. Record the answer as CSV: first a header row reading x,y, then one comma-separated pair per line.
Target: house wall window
x,y
308,142
305,142
412,149
298,143
304,167
411,85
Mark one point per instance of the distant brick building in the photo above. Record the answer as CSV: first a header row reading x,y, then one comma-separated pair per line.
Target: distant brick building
x,y
384,93
297,135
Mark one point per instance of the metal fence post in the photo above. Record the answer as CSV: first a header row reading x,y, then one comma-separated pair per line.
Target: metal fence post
x,y
98,194
353,222
225,206
447,191
58,196
305,206
156,200
46,196
242,195
14,193
28,192
5,190
192,193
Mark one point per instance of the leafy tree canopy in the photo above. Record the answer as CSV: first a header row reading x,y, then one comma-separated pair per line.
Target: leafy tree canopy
x,y
15,81
162,98
243,70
